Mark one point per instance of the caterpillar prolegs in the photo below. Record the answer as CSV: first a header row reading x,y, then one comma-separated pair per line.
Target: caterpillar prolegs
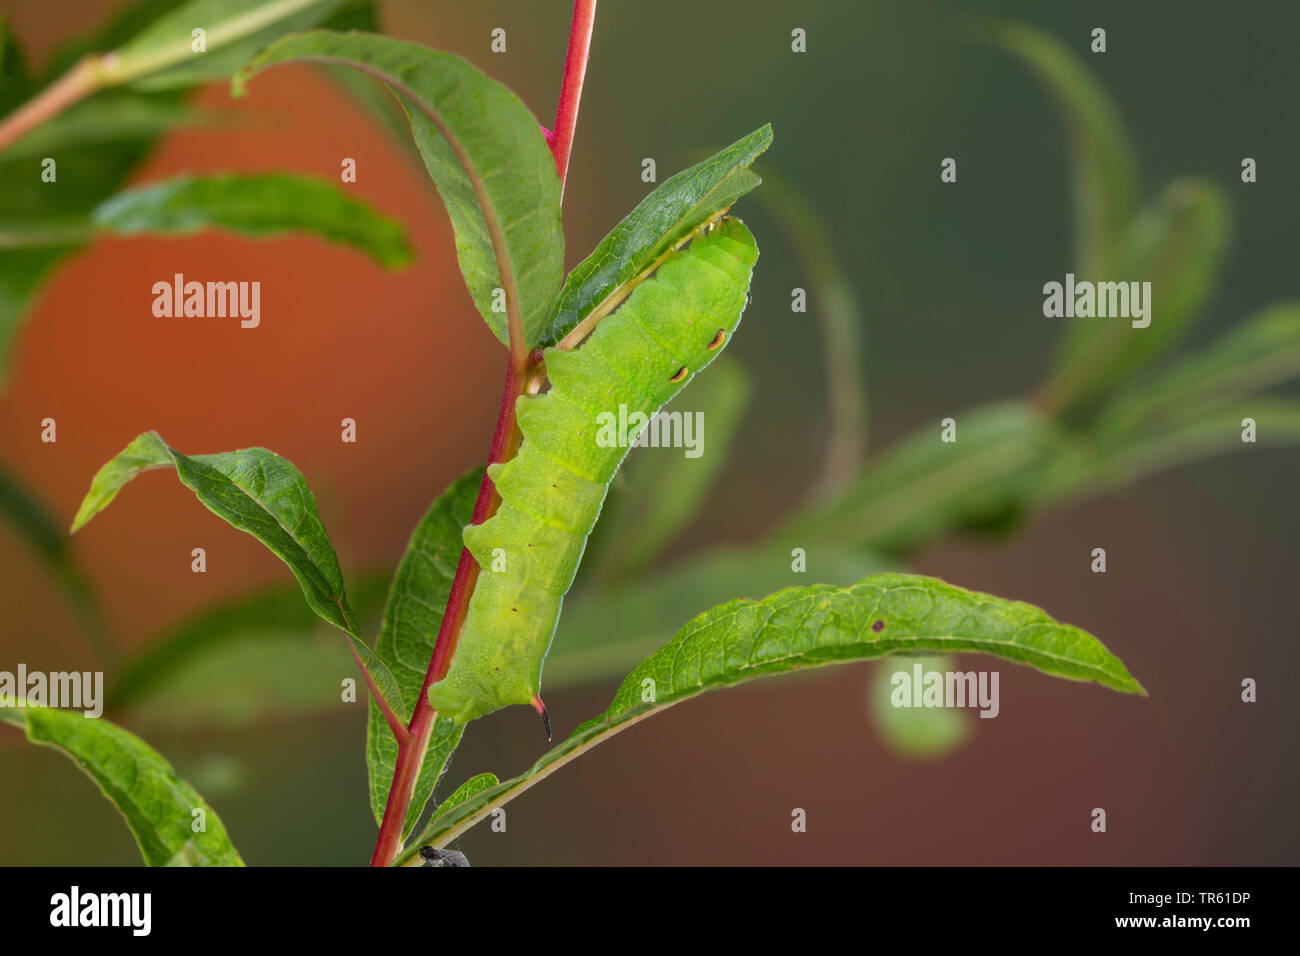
x,y
670,327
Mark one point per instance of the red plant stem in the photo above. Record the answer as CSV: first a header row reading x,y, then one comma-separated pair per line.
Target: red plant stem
x,y
413,745
505,442
575,70
411,750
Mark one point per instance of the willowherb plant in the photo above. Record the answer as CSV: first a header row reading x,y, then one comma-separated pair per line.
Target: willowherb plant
x,y
473,607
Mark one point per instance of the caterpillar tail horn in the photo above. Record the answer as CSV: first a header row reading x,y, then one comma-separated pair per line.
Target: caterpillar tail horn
x,y
546,718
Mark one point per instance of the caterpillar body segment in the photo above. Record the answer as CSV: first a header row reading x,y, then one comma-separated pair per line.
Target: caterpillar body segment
x,y
670,328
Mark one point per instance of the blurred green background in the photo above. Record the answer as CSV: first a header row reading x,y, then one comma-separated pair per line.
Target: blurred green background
x,y
1202,559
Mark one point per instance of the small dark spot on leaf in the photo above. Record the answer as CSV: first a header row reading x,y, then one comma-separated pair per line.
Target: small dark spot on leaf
x,y
878,626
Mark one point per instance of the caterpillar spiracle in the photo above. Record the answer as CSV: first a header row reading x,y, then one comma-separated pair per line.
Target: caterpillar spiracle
x,y
671,327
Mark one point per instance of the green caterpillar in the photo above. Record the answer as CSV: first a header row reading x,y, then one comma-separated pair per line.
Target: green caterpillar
x,y
670,327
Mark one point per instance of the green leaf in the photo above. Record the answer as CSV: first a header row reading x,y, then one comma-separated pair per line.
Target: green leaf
x,y
1277,422
923,487
15,81
487,158
258,205
1174,443
360,15
118,28
606,630
256,491
811,627
412,619
161,56
261,205
470,788
657,494
370,94
157,804
1105,182
132,24
380,105
1178,246
1258,352
916,733
266,649
660,223
1009,460
837,310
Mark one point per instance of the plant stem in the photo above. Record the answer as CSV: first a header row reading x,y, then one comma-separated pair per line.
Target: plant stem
x,y
411,749
505,442
120,70
575,70
75,85
95,73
